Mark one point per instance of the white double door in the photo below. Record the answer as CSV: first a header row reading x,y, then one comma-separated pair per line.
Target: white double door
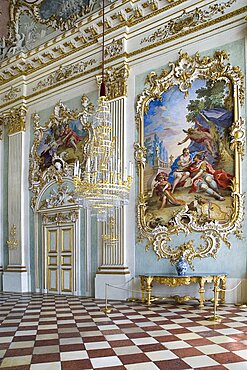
x,y
59,258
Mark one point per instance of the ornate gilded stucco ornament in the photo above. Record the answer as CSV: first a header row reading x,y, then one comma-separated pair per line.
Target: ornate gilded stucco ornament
x,y
114,48
56,146
12,93
14,119
12,243
116,79
58,197
64,73
191,142
187,21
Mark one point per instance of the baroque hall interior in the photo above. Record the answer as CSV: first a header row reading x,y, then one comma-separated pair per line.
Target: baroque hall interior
x,y
122,184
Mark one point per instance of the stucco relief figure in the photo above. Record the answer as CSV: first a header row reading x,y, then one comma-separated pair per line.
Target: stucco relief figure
x,y
205,165
58,163
17,44
2,47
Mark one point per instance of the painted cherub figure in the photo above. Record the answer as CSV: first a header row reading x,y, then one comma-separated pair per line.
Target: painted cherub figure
x,y
163,190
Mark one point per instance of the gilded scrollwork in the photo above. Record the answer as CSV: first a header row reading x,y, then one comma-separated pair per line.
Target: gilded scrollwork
x,y
238,136
12,93
60,217
59,197
213,215
12,243
140,154
63,73
57,145
114,48
187,20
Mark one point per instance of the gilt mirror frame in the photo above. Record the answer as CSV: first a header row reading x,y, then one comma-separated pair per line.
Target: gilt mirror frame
x,y
185,219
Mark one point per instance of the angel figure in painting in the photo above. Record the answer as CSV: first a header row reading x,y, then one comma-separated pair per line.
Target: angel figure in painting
x,y
199,134
163,190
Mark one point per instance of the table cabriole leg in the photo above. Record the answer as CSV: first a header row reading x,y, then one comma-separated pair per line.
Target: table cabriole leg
x,y
201,292
149,289
143,289
223,287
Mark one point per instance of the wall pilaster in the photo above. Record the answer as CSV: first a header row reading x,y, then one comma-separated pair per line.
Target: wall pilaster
x,y
113,268
15,276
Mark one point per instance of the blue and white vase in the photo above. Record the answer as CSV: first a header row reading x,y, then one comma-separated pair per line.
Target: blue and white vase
x,y
181,266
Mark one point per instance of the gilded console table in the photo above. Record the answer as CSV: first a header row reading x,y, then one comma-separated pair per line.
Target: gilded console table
x,y
174,280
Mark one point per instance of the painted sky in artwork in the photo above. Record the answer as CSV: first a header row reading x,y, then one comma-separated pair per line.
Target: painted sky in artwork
x,y
167,118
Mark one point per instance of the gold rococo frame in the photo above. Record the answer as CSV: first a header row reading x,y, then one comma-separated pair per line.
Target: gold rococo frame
x,y
182,74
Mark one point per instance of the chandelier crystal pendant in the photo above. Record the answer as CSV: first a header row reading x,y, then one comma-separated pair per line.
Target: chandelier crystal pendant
x,y
104,185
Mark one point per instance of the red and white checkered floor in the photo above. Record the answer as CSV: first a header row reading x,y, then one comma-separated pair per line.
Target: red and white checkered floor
x,y
46,332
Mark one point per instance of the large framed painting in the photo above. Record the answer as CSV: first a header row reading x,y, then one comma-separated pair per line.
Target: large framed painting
x,y
191,142
58,144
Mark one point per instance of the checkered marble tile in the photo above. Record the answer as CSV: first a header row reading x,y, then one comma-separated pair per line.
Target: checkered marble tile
x,y
48,332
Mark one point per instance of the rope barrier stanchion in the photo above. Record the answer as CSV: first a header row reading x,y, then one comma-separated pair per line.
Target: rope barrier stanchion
x,y
106,309
217,290
241,305
215,317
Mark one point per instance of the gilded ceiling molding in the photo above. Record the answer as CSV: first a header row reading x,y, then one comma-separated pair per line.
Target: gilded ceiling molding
x,y
128,14
69,42
63,73
15,120
208,214
116,81
187,20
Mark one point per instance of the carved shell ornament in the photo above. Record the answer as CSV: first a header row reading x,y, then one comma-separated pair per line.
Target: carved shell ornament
x,y
189,152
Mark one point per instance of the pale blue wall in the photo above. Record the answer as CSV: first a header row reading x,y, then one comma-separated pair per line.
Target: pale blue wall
x,y
232,261
73,104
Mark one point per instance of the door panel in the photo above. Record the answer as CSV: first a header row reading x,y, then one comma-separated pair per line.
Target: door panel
x,y
59,259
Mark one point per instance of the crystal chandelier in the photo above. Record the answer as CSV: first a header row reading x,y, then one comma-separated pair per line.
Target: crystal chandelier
x,y
104,185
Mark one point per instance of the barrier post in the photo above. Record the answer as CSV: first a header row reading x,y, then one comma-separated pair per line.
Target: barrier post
x,y
106,309
215,318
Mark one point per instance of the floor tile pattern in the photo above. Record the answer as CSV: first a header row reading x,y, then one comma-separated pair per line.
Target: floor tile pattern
x,y
48,332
